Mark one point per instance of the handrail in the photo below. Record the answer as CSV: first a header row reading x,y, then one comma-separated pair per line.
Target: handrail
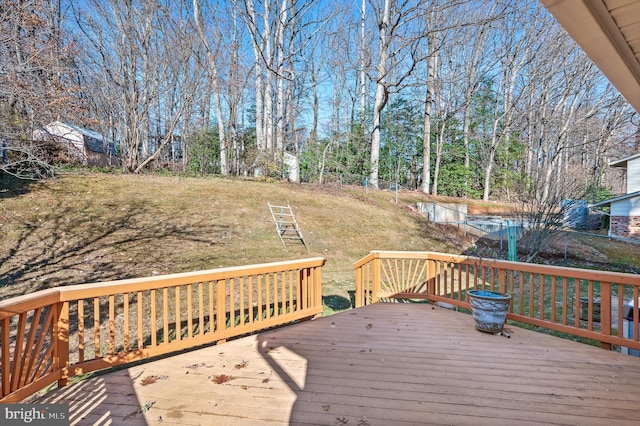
x,y
590,304
55,334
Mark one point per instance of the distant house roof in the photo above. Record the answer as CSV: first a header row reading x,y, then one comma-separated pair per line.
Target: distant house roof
x,y
622,163
616,199
94,140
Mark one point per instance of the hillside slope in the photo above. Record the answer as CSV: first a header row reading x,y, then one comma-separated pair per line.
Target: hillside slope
x,y
87,227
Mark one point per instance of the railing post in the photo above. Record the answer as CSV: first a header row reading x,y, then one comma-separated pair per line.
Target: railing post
x,y
303,289
605,312
359,301
61,344
431,276
221,307
375,285
5,351
317,288
502,275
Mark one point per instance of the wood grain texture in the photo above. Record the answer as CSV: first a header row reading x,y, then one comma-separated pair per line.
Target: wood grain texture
x,y
384,364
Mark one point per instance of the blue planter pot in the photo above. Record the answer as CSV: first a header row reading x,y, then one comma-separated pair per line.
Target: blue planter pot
x,y
489,309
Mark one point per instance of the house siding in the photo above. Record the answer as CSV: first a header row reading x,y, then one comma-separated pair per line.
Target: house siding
x,y
628,207
633,175
625,226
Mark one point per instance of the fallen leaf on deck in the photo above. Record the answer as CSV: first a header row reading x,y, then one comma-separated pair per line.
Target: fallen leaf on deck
x,y
244,387
243,364
326,407
265,380
369,326
149,380
222,378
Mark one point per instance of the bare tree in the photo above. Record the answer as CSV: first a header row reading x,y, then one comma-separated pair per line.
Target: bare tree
x,y
236,82
541,219
539,223
449,28
432,64
212,69
474,67
561,109
400,31
262,44
178,82
513,51
449,104
279,31
38,83
364,63
138,54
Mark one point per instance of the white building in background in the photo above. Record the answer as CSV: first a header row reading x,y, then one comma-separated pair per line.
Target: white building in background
x,y
625,209
291,162
79,145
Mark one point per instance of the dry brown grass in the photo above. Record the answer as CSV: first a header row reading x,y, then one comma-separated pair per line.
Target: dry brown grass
x,y
88,227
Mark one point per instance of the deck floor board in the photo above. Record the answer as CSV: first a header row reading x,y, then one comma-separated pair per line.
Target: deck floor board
x,y
385,364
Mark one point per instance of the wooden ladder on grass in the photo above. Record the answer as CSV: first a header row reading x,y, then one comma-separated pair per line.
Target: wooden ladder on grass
x,y
286,224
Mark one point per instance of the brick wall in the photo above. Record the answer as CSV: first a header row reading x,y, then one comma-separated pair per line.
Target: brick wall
x,y
626,227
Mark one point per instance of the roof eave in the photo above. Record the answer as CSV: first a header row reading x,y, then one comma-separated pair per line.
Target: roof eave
x,y
615,199
591,25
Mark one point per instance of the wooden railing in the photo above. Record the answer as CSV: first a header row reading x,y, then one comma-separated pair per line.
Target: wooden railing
x,y
590,304
55,334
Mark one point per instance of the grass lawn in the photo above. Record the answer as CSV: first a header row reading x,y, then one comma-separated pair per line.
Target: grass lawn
x,y
87,227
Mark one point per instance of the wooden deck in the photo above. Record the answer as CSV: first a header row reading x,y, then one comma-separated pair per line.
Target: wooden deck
x,y
384,364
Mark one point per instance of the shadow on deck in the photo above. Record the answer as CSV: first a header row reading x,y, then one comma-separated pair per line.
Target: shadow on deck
x,y
383,364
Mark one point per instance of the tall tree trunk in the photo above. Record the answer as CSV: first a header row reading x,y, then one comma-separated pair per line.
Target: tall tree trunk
x,y
470,91
438,158
426,137
313,137
493,146
215,84
381,95
257,43
268,87
224,157
363,63
378,106
280,79
234,95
